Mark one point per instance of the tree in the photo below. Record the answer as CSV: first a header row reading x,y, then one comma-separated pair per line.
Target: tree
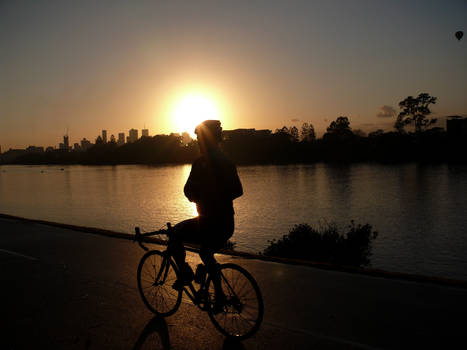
x,y
283,130
376,133
415,111
293,131
359,133
340,125
339,129
308,133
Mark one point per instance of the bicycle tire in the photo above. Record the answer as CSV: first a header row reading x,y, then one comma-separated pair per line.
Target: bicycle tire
x,y
158,295
244,303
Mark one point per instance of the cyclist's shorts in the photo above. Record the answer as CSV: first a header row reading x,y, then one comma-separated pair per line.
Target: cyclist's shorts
x,y
210,233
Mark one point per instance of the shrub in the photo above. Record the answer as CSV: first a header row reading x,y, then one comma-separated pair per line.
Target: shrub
x,y
326,244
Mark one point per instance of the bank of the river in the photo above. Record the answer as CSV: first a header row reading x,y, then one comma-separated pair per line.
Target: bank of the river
x,y
325,266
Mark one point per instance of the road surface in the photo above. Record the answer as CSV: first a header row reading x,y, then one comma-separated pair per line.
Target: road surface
x,y
62,289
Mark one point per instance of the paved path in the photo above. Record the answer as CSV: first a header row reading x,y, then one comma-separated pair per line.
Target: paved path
x,y
62,289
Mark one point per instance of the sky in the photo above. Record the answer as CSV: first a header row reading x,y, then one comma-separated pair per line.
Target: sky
x,y
83,66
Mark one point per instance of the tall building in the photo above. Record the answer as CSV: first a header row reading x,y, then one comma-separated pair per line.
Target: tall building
x,y
456,127
104,136
145,133
85,144
133,135
112,138
121,138
65,146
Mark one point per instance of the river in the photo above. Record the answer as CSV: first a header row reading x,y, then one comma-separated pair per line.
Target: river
x,y
419,211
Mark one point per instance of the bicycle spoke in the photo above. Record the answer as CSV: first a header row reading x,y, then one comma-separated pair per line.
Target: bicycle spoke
x,y
159,297
243,313
235,320
169,295
246,314
151,282
148,273
153,297
239,291
150,286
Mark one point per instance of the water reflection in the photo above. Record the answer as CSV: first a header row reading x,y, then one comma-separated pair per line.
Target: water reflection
x,y
418,210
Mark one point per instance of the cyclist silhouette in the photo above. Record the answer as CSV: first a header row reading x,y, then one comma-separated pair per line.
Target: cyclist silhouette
x,y
213,184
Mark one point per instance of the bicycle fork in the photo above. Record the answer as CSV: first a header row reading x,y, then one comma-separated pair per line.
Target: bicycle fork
x,y
164,270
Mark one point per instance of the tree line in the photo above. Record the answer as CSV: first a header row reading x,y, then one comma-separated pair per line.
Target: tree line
x,y
289,144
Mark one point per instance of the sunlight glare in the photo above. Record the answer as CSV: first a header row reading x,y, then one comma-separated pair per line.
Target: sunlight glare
x,y
192,110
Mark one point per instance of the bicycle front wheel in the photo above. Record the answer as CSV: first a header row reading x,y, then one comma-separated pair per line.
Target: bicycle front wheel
x,y
156,275
243,311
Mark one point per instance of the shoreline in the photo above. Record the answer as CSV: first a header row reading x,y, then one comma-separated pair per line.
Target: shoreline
x,y
325,266
246,163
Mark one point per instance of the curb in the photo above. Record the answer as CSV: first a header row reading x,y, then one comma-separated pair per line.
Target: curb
x,y
320,265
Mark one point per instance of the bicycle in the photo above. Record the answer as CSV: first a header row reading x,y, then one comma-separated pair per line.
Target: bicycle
x,y
242,312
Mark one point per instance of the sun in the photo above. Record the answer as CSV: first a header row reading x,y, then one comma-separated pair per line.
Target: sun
x,y
191,110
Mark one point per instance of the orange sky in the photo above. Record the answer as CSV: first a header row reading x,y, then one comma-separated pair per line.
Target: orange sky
x,y
87,67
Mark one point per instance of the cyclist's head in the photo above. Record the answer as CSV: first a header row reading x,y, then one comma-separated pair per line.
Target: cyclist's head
x,y
209,133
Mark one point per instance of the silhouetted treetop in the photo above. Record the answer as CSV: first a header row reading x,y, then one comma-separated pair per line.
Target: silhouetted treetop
x,y
414,111
339,126
289,133
339,129
251,146
308,133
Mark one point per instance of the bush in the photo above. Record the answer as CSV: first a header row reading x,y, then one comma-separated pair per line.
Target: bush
x,y
326,244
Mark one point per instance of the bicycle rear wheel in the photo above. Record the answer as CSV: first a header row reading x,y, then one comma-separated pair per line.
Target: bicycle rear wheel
x,y
156,275
243,312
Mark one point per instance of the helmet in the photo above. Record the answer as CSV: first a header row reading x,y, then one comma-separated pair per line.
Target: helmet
x,y
209,131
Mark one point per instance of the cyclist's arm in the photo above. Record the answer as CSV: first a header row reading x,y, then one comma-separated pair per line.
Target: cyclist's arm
x,y
192,186
236,189
232,185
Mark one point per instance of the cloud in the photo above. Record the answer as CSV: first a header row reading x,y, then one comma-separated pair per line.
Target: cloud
x,y
295,120
386,112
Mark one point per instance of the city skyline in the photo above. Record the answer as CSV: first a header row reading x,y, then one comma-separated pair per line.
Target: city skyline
x,y
133,135
257,65
119,138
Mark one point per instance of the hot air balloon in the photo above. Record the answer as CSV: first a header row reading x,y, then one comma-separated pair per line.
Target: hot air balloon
x,y
459,35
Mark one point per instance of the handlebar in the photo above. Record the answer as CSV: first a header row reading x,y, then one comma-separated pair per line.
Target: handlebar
x,y
139,236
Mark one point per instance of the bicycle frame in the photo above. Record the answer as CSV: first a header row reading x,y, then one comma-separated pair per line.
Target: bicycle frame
x,y
163,270
231,308
193,294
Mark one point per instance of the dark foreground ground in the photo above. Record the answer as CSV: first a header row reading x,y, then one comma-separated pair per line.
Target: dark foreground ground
x,y
62,289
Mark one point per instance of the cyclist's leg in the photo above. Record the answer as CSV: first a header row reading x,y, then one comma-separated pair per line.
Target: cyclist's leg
x,y
215,233
207,256
184,231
